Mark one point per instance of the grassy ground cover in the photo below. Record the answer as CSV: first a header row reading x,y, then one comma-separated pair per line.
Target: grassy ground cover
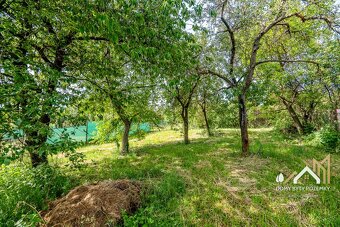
x,y
208,183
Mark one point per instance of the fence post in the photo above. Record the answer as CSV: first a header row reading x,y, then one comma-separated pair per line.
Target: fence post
x,y
86,132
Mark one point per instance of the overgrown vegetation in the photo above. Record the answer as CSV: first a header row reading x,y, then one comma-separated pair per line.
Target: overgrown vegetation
x,y
267,70
327,138
204,183
24,192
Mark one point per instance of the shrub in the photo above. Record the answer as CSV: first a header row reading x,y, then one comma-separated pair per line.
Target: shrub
x,y
308,128
25,190
330,139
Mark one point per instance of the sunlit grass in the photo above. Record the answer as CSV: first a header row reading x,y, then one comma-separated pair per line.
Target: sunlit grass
x,y
217,186
208,183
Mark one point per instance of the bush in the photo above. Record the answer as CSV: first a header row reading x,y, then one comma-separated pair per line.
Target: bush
x,y
25,190
329,138
308,128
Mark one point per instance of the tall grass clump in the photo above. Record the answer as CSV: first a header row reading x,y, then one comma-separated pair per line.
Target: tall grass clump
x,y
24,191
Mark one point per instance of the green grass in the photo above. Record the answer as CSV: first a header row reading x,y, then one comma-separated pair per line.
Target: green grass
x,y
208,183
24,191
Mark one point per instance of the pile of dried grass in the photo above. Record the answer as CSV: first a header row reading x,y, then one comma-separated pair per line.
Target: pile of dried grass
x,y
95,204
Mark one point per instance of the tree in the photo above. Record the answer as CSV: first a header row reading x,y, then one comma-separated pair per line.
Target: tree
x,y
331,80
125,71
128,97
184,90
300,92
270,21
181,78
208,97
202,102
37,37
44,42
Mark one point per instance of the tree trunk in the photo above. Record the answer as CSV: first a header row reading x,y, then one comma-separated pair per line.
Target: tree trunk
x,y
86,132
32,138
335,119
37,159
206,120
294,116
308,114
125,139
243,124
34,141
185,118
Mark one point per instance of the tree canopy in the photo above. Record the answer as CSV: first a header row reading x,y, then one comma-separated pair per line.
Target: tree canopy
x,y
127,62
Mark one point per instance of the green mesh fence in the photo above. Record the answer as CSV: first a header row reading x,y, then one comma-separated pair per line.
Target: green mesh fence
x,y
85,133
143,126
81,133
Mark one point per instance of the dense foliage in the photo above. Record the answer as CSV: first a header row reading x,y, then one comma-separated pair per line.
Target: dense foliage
x,y
178,64
24,192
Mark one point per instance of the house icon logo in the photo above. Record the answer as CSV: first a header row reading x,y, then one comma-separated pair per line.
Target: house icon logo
x,y
308,170
320,170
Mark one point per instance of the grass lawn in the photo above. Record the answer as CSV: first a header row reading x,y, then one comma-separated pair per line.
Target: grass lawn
x,y
208,183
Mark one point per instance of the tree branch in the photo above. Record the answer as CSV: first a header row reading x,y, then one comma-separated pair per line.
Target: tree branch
x,y
323,18
49,27
208,71
42,54
192,91
223,88
256,44
138,87
178,97
232,40
288,61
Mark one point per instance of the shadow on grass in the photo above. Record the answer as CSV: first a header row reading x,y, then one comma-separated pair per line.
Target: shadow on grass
x,y
207,182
